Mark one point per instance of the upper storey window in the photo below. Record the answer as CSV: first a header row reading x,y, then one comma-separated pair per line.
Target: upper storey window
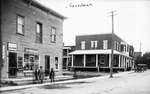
x,y
38,33
105,44
93,44
20,25
53,34
82,45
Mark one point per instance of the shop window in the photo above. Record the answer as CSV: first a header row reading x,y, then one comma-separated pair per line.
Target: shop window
x,y
56,62
31,61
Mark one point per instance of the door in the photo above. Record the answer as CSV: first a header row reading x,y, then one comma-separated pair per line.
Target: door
x,y
47,64
12,66
102,61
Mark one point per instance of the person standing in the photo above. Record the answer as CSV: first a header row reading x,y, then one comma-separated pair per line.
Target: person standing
x,y
52,75
36,74
41,74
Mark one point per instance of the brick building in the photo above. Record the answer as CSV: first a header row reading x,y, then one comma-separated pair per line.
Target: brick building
x,y
94,52
32,36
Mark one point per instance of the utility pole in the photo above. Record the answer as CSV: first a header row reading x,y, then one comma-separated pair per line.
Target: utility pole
x,y
112,45
1,59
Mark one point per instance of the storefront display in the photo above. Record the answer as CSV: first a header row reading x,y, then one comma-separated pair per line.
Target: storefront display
x,y
31,59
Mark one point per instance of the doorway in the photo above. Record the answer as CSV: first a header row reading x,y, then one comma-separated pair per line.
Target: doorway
x,y
47,65
12,66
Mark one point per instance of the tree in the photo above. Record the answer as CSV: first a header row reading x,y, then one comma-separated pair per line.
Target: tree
x,y
145,59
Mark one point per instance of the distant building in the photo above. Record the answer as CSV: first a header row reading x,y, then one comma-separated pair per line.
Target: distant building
x,y
94,52
66,56
31,37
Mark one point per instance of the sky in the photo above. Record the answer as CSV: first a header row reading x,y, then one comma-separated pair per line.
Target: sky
x,y
131,20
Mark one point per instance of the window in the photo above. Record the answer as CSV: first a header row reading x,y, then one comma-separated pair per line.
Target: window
x,y
38,33
127,48
20,25
82,45
105,44
118,46
56,62
31,61
124,48
53,34
93,44
115,45
102,59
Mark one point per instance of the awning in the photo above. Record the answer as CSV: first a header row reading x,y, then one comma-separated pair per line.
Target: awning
x,y
81,52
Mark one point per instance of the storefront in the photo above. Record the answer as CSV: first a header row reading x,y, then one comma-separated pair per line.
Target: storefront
x,y
31,61
20,62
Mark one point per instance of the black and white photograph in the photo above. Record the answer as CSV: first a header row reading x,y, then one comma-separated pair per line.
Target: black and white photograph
x,y
75,47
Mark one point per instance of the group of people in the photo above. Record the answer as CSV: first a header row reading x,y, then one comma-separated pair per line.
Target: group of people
x,y
39,74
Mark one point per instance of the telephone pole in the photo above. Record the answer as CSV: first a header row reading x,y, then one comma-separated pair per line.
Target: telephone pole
x,y
112,45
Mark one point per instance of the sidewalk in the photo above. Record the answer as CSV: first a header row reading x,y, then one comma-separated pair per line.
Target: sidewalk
x,y
31,80
2,89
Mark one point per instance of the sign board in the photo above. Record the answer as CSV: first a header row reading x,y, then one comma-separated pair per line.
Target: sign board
x,y
31,51
12,46
3,52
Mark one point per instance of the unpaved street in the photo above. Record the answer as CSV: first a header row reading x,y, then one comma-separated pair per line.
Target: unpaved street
x,y
132,83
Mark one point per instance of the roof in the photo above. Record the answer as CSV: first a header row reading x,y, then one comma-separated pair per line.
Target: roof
x,y
81,52
103,34
39,5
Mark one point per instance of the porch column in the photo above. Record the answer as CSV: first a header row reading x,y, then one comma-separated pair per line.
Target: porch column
x,y
109,60
84,60
72,61
122,62
67,59
119,62
125,62
130,62
96,60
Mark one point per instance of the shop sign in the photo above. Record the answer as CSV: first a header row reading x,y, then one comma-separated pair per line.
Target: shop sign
x,y
31,51
12,46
